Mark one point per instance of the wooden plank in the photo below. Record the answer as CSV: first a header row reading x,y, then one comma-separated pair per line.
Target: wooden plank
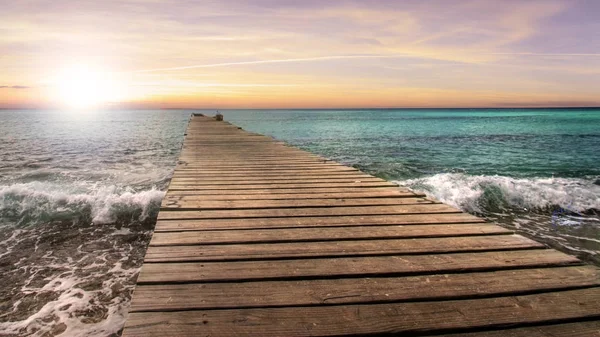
x,y
241,167
254,148
284,186
315,190
259,175
261,204
301,181
169,297
252,160
321,234
337,248
578,329
282,196
274,151
223,136
397,318
245,140
201,173
273,169
304,212
199,161
247,152
312,222
236,144
366,266
289,178
271,154
257,167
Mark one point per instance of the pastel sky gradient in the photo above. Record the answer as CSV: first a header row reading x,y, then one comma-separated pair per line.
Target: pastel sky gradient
x,y
308,53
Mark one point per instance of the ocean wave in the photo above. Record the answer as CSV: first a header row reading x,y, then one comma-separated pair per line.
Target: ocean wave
x,y
492,194
69,280
37,202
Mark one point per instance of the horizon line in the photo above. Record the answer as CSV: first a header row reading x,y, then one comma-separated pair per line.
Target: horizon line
x,y
318,108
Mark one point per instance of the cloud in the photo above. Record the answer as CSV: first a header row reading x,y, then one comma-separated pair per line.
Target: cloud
x,y
304,59
341,57
14,87
550,54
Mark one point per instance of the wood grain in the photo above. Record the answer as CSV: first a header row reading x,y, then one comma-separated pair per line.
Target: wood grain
x,y
168,297
366,266
397,318
321,234
308,222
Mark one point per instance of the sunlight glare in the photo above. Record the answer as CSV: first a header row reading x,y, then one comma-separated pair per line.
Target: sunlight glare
x,y
86,87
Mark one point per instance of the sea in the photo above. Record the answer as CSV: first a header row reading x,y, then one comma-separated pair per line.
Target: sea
x,y
80,189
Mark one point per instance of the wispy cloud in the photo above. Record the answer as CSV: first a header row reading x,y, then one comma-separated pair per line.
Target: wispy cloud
x,y
290,60
209,85
14,87
342,57
550,54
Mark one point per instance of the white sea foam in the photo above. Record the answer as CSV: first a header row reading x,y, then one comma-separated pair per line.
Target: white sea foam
x,y
76,311
34,202
72,279
482,194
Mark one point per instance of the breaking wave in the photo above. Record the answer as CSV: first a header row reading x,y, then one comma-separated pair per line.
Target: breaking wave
x,y
71,253
494,194
39,202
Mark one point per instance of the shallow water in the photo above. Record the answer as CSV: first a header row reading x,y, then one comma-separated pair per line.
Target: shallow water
x,y
79,191
79,194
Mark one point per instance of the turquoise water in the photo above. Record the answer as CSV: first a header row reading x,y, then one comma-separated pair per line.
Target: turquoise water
x,y
402,144
80,190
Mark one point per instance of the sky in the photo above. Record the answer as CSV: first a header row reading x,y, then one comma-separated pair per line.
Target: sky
x,y
299,54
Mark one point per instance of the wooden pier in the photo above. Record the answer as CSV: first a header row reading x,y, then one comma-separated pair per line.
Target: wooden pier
x,y
256,238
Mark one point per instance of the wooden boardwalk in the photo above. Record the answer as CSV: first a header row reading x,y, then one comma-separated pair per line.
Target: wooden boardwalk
x,y
255,238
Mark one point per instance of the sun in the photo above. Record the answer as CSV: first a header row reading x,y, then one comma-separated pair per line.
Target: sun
x,y
82,86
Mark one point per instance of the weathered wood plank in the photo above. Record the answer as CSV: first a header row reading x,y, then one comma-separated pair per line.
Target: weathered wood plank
x,y
258,204
274,169
419,317
311,222
191,161
322,234
578,329
199,199
170,297
234,141
279,182
337,248
261,175
215,180
314,190
366,266
240,166
298,186
303,212
247,152
272,149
